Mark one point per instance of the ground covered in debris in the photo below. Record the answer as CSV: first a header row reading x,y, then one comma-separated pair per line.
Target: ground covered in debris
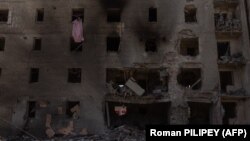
x,y
122,133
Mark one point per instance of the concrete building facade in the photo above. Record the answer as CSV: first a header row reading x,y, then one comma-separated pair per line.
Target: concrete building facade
x,y
191,57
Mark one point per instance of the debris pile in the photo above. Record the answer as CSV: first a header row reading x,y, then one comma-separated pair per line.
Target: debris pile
x,y
237,58
122,133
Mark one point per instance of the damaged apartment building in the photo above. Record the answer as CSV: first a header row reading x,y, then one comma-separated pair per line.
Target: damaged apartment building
x,y
138,63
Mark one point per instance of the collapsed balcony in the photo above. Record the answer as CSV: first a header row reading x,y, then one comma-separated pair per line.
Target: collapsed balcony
x,y
232,60
133,83
226,3
227,27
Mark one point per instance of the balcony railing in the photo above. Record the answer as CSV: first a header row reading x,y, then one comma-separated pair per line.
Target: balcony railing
x,y
234,60
230,27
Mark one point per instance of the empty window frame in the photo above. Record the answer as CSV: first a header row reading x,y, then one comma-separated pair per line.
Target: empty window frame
x,y
34,75
152,15
113,44
74,75
70,109
40,15
4,16
37,44
189,47
226,79
114,15
77,14
223,49
190,14
151,45
74,46
31,109
190,78
2,43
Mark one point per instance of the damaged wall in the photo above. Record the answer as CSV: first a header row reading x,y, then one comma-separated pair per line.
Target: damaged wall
x,y
55,57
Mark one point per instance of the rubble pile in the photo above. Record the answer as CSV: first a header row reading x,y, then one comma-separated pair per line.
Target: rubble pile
x,y
122,133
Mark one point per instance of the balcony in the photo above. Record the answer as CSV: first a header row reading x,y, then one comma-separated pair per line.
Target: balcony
x,y
234,93
226,3
228,28
232,60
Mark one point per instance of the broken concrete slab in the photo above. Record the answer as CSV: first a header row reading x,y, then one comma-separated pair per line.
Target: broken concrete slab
x,y
137,89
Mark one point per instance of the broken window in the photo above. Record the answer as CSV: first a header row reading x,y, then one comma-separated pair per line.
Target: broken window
x,y
78,13
199,113
74,46
114,15
73,108
34,75
229,112
189,46
115,75
190,14
4,15
2,43
226,79
113,44
39,15
190,78
151,81
74,75
139,115
31,109
151,45
37,44
223,49
152,15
